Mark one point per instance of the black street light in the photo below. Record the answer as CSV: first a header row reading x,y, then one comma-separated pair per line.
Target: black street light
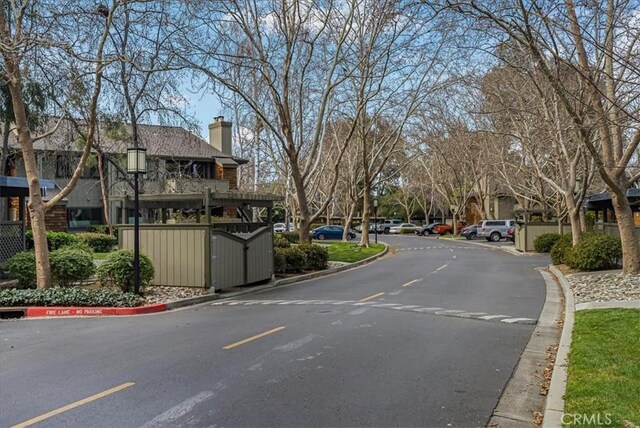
x,y
136,165
375,215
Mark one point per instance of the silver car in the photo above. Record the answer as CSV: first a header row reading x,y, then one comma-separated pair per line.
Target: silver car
x,y
494,230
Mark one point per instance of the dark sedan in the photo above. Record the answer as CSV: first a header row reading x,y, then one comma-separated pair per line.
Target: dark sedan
x,y
330,232
470,232
429,229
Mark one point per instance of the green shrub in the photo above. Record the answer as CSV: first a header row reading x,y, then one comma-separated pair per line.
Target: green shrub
x,y
292,237
295,260
102,228
117,269
22,267
55,240
544,242
317,256
98,228
69,265
74,296
80,245
281,242
100,242
560,248
595,251
279,263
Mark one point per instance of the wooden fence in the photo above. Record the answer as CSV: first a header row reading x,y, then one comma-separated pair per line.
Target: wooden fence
x,y
204,256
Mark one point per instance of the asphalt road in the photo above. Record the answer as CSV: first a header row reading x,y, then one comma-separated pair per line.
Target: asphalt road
x,y
427,336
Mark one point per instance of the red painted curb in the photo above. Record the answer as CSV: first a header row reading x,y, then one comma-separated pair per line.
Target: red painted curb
x,y
73,311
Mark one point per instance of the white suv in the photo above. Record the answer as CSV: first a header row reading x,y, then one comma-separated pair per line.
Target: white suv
x,y
387,225
494,230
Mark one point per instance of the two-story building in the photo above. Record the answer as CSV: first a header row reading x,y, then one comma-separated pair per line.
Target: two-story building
x,y
178,161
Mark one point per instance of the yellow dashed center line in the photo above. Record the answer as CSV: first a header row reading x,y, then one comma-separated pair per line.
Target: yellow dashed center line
x,y
252,338
371,297
73,405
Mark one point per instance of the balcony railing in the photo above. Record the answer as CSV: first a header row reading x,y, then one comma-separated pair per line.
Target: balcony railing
x,y
194,185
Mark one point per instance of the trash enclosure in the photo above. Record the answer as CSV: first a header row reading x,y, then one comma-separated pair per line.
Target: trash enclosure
x,y
212,254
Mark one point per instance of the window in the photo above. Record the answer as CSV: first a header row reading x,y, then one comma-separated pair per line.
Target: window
x,y
66,165
80,218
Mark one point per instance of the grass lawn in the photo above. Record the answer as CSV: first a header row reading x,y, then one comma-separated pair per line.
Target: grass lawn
x,y
350,253
604,366
100,256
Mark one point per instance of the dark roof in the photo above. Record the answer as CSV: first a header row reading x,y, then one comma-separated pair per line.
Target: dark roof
x,y
159,140
603,200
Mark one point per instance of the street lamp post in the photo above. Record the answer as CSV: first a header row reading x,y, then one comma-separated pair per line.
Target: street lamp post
x,y
375,216
136,165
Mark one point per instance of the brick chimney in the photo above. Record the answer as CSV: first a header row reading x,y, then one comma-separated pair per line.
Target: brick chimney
x,y
220,135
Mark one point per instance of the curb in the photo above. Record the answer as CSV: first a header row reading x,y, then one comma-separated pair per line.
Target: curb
x,y
521,396
66,311
73,311
554,407
314,275
510,250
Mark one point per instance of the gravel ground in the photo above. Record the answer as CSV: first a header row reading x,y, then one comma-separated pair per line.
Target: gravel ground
x,y
604,287
156,294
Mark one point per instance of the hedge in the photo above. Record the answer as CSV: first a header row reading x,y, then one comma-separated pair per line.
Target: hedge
x,y
595,251
117,269
99,242
281,242
294,259
545,242
279,263
55,240
69,265
292,237
22,267
560,248
59,296
317,256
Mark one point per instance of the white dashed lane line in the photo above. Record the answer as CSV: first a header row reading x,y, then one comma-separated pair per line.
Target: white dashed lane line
x,y
456,313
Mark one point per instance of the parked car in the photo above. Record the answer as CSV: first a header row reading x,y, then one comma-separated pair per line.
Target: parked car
x,y
387,225
404,228
494,230
427,230
358,228
511,234
470,232
330,232
279,227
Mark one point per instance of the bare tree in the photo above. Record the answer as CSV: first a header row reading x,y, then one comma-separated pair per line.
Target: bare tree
x,y
600,43
65,34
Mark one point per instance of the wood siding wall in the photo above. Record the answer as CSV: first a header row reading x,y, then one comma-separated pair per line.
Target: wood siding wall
x,y
179,254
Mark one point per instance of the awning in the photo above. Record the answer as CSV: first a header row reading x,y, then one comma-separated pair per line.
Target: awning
x,y
22,183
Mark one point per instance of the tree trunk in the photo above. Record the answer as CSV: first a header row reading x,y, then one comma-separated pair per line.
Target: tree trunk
x,y
576,230
5,146
104,194
574,219
303,204
347,222
583,221
628,234
366,203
